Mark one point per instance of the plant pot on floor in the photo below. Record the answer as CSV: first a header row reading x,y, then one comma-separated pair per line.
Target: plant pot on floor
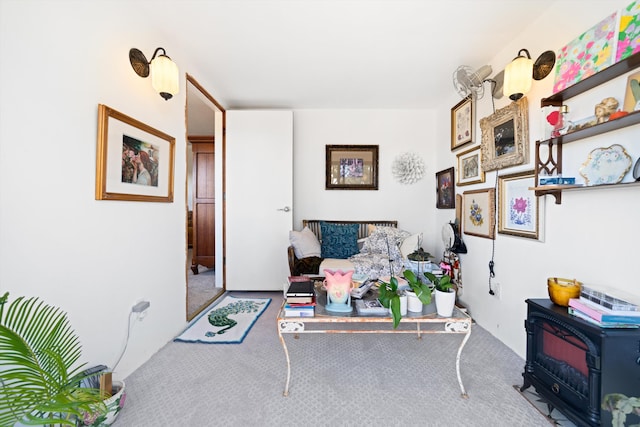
x,y
114,404
445,302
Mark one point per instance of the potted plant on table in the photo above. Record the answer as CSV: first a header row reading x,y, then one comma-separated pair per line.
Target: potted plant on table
x,y
389,294
445,294
39,375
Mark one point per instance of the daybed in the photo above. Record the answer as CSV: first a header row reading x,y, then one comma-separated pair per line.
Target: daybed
x,y
363,246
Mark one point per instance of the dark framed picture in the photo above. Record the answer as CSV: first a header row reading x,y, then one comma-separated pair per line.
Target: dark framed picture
x,y
478,212
470,167
462,123
446,189
351,167
518,207
505,136
134,161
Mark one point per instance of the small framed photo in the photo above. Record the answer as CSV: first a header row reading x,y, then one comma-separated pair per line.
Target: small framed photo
x,y
505,136
470,167
446,189
351,167
134,161
478,212
518,206
462,123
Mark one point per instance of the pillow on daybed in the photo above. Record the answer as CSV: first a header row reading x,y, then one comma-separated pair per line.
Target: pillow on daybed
x,y
338,240
305,243
376,243
410,244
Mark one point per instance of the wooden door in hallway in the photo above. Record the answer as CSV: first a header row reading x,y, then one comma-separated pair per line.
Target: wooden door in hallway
x,y
203,202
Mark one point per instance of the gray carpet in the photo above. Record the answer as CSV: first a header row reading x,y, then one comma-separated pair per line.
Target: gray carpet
x,y
337,380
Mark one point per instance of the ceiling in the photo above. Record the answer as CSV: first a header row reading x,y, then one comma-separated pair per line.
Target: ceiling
x,y
338,53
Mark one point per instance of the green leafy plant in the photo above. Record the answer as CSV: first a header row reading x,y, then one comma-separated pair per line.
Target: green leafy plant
x,y
443,283
389,294
39,376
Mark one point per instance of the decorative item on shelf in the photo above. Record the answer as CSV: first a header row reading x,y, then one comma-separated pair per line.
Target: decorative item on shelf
x,y
636,170
165,76
587,122
562,290
338,286
632,93
605,108
617,114
606,165
408,168
555,121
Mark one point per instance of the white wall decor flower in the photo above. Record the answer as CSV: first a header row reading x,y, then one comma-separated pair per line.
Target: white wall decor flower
x,y
408,168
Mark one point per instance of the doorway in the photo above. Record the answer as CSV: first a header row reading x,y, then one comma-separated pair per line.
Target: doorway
x,y
205,145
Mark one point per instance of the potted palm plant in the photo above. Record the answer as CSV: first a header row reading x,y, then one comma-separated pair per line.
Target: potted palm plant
x,y
445,294
39,373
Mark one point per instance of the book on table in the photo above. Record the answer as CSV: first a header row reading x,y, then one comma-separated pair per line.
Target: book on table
x,y
370,307
579,314
613,299
300,289
299,312
601,315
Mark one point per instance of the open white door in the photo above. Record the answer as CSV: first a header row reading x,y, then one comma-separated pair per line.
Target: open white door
x,y
259,193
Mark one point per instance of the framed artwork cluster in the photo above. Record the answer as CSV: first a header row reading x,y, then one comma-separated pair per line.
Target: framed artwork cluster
x,y
519,211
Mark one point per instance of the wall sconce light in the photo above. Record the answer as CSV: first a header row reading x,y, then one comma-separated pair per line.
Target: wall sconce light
x,y
519,72
164,72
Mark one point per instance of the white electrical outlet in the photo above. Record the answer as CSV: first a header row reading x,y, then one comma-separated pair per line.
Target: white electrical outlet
x,y
497,290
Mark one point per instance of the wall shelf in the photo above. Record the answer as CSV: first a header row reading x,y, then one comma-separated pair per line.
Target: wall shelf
x,y
552,164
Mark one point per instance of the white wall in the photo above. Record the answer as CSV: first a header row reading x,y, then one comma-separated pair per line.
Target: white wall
x,y
591,236
395,132
94,259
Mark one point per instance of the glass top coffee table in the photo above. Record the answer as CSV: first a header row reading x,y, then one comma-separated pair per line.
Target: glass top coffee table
x,y
325,322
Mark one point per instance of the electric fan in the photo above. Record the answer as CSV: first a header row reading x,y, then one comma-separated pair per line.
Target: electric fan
x,y
469,82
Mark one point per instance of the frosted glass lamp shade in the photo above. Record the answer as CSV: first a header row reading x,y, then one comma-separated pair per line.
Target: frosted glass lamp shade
x,y
164,76
517,77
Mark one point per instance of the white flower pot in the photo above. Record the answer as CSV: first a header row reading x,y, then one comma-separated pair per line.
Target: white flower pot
x,y
414,304
445,302
403,305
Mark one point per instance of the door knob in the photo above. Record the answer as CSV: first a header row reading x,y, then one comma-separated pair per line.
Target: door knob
x,y
285,209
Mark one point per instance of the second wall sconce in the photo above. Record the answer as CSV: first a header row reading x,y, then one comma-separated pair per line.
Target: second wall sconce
x,y
519,72
165,77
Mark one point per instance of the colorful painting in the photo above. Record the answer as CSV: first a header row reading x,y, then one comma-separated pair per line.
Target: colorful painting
x,y
591,52
629,32
479,212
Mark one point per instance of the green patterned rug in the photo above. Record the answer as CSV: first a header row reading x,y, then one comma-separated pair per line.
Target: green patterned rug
x,y
226,322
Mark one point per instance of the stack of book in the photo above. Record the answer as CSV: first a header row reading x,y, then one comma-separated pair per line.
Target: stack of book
x,y
606,308
300,297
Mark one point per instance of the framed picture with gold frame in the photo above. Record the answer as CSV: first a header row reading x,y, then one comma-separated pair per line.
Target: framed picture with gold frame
x,y
478,212
134,161
462,123
446,189
351,167
470,167
518,207
505,136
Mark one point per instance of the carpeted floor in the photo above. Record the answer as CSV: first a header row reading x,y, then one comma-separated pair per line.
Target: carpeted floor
x,y
337,380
